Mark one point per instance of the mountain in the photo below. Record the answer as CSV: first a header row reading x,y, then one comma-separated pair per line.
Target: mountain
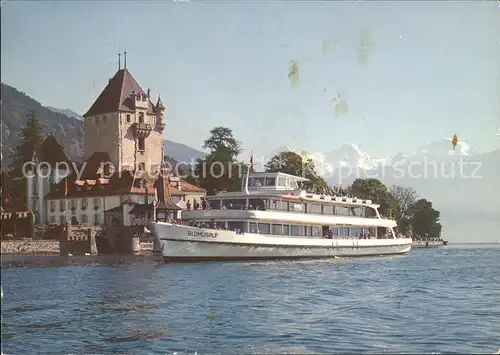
x,y
349,154
66,112
66,125
181,152
16,108
461,183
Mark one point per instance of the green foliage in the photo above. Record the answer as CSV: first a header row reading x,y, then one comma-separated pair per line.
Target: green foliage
x,y
222,143
294,164
220,169
31,138
416,217
375,190
424,219
404,197
16,110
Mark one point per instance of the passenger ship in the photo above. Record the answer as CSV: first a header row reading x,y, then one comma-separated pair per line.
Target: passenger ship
x,y
272,218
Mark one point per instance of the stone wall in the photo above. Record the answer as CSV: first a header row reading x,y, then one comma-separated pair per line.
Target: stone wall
x,y
101,135
30,247
78,243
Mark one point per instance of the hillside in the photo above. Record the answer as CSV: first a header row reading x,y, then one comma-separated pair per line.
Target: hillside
x,y
66,112
182,152
68,130
16,107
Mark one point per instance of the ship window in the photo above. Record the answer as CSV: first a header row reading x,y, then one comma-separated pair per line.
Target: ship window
x,y
355,231
334,231
257,182
281,181
370,212
355,211
235,226
279,205
342,211
296,207
313,208
328,209
214,204
296,230
252,227
277,229
264,228
128,117
293,184
141,117
308,231
257,204
286,229
234,204
317,231
270,181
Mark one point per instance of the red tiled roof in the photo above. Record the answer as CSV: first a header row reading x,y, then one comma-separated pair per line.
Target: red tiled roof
x,y
191,188
90,169
117,95
120,183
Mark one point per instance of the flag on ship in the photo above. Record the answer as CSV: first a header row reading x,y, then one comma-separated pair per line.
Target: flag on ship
x,y
251,161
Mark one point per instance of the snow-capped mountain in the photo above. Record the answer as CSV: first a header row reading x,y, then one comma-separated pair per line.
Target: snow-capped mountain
x,y
350,157
349,154
458,181
441,150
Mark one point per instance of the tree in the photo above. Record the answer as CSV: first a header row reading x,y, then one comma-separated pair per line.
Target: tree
x,y
404,197
31,138
223,142
294,164
220,169
375,190
424,219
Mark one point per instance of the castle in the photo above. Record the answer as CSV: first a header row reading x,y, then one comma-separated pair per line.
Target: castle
x,y
123,145
125,123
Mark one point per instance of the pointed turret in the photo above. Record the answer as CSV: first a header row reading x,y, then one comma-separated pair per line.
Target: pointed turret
x,y
160,112
159,104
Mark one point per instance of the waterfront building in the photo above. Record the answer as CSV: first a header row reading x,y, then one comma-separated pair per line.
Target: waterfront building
x,y
124,122
123,145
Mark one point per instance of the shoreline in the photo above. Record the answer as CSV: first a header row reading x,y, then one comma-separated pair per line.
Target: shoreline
x,y
44,247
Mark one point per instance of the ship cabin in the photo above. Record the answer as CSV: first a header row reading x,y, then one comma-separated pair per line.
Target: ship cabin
x,y
280,192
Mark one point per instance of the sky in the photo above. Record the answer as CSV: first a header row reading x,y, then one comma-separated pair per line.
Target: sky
x,y
431,69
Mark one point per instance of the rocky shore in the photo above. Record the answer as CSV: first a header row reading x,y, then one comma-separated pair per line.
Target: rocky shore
x,y
27,247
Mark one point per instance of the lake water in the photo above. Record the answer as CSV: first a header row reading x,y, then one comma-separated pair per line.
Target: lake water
x,y
431,301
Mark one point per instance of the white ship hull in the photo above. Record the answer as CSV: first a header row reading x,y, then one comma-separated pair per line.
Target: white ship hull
x,y
179,243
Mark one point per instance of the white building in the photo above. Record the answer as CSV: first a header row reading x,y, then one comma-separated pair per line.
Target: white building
x,y
49,164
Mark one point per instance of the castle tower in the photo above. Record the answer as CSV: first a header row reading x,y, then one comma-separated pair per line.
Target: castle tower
x,y
125,123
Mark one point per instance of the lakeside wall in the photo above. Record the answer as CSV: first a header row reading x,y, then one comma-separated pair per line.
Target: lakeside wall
x,y
30,247
34,247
